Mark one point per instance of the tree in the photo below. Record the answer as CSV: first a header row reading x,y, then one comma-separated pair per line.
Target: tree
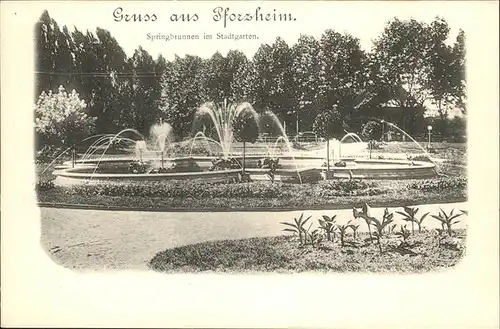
x,y
272,83
245,130
329,124
446,75
458,68
306,66
402,53
343,73
147,90
101,70
240,77
44,53
109,103
54,60
183,91
60,119
372,131
216,78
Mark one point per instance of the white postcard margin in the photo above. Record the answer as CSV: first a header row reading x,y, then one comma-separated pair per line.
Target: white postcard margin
x,y
36,292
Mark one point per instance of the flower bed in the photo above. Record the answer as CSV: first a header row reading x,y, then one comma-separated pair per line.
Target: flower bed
x,y
283,254
440,184
197,189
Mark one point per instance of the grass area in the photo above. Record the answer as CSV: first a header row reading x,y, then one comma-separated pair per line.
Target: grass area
x,y
422,252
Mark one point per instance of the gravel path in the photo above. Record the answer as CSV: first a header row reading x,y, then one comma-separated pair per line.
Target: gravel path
x,y
99,239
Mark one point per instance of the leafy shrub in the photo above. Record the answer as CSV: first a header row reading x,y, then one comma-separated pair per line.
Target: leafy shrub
x,y
44,185
439,184
310,177
184,189
224,164
347,187
138,167
60,118
423,157
372,131
47,154
199,148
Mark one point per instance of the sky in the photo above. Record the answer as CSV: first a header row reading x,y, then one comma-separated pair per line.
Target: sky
x,y
364,20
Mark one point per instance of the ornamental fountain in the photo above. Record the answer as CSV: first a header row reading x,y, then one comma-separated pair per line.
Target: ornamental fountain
x,y
159,158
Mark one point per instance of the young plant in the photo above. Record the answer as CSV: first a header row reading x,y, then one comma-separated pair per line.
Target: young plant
x,y
419,222
409,216
380,225
298,227
354,229
392,228
270,175
387,216
314,237
447,220
327,224
403,233
365,214
342,232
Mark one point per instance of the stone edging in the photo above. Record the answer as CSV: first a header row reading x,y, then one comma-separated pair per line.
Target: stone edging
x,y
261,209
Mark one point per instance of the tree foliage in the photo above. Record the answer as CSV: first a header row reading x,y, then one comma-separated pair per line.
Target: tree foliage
x,y
245,128
329,124
415,65
184,92
412,65
306,68
60,118
372,131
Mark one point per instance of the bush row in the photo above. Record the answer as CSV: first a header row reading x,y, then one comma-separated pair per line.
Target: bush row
x,y
44,185
186,189
345,187
196,189
439,184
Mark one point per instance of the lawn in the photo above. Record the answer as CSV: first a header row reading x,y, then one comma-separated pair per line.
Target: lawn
x,y
422,252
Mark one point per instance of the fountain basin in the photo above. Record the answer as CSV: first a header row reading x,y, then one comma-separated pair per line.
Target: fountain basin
x,y
115,169
385,169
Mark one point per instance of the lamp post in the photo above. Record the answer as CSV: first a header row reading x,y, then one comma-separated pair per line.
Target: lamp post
x,y
73,156
429,130
382,122
297,124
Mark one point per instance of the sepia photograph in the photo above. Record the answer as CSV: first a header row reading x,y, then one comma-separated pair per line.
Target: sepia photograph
x,y
344,156
262,138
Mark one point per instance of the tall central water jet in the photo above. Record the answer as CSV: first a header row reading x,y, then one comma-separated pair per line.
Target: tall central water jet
x,y
161,133
222,116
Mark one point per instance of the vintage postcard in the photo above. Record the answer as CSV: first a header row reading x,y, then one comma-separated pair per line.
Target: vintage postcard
x,y
250,164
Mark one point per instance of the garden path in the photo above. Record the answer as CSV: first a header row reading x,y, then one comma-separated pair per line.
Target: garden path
x,y
99,239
